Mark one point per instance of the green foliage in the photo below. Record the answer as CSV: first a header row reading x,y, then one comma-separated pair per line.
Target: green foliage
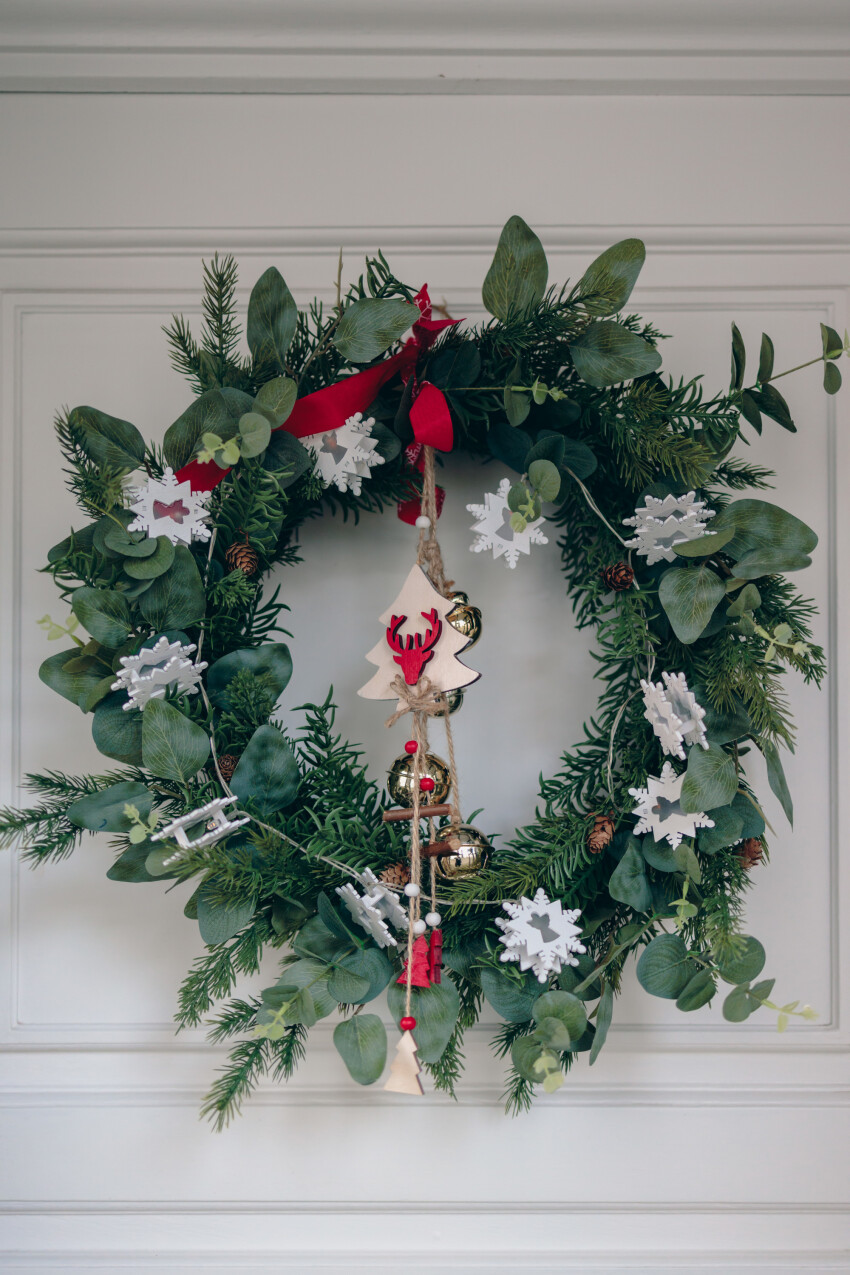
x,y
570,398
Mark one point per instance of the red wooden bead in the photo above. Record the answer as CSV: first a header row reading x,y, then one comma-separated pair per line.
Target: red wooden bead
x,y
411,746
407,1024
427,784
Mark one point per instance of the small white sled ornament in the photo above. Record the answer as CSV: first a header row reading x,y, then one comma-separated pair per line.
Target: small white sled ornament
x,y
212,816
374,909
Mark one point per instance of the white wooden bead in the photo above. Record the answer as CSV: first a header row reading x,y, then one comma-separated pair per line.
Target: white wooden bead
x,y
418,927
423,522
411,890
433,919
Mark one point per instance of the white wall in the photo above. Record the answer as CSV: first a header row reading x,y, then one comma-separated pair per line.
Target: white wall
x,y
692,1145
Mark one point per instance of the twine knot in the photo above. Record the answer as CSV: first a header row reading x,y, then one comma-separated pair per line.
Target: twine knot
x,y
421,698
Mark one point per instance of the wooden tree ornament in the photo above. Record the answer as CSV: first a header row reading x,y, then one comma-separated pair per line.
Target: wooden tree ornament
x,y
405,1069
417,641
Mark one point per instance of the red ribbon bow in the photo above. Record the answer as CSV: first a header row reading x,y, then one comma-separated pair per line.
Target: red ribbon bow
x,y
327,409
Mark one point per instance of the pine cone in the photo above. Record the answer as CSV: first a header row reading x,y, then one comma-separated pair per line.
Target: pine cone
x,y
240,555
227,765
618,576
601,833
396,874
751,852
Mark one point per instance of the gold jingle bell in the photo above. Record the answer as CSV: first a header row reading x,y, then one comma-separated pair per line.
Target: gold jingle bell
x,y
464,617
400,781
470,852
455,699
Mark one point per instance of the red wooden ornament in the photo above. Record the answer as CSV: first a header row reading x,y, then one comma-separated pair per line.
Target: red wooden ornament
x,y
426,783
411,747
414,651
419,976
435,956
408,1023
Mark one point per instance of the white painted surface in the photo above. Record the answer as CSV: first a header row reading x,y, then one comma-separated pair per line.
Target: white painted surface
x,y
692,1145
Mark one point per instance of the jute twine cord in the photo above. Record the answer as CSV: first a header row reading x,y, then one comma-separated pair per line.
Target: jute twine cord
x,y
420,734
429,555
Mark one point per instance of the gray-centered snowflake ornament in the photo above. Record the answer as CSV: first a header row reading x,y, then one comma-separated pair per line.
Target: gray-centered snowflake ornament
x,y
166,507
674,714
540,935
157,669
345,456
660,812
493,528
663,524
374,909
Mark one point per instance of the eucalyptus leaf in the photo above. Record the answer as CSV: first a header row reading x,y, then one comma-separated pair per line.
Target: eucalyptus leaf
x,y
116,733
276,399
73,683
738,1005
749,599
525,1052
369,326
776,779
176,599
509,445
108,441
518,274
767,539
214,412
286,458
711,780
316,941
104,811
565,1009
544,477
628,883
361,1042
746,964
512,998
739,359
255,432
607,284
129,545
435,1009
607,353
831,378
272,316
313,975
372,967
156,564
769,401
173,747
765,358
665,968
689,596
267,774
271,662
130,867
706,545
727,831
697,992
103,613
604,1014
217,922
347,987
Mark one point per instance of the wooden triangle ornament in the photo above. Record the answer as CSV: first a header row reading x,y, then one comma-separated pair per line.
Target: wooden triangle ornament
x,y
405,1069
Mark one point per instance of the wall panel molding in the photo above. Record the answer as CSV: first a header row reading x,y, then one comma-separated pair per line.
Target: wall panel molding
x,y
385,47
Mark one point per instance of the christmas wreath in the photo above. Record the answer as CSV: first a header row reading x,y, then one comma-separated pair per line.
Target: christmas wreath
x,y
646,834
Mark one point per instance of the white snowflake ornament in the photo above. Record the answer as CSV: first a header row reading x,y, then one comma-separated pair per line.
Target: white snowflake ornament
x,y
674,714
216,825
375,908
663,524
166,507
659,810
157,669
345,456
540,935
493,528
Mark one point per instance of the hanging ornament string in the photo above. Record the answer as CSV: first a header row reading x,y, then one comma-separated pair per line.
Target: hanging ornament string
x,y
420,736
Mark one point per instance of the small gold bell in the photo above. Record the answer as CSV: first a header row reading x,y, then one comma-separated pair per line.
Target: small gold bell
x,y
455,699
464,617
469,854
433,770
